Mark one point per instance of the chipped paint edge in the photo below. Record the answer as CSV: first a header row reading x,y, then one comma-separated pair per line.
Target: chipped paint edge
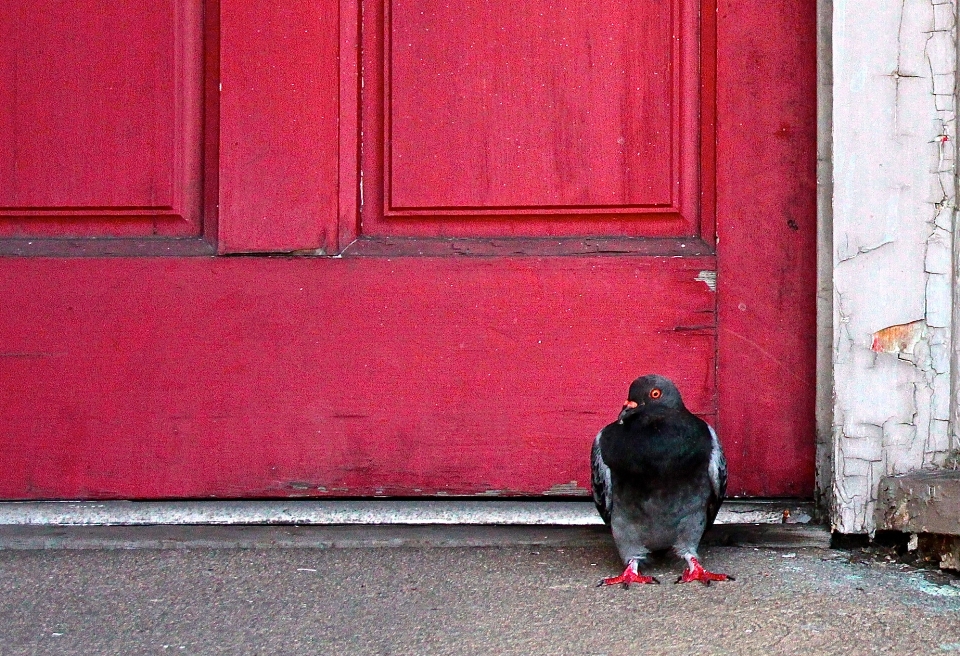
x,y
709,278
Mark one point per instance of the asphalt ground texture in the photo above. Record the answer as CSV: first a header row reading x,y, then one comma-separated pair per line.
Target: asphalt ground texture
x,y
521,598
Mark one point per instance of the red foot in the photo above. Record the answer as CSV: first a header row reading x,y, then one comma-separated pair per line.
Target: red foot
x,y
630,575
697,573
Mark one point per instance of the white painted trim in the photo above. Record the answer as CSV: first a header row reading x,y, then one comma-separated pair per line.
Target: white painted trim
x,y
888,98
333,512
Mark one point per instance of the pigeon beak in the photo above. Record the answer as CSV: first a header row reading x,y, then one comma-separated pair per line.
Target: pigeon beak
x,y
627,407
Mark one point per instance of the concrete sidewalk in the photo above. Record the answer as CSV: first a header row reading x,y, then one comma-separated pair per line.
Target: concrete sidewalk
x,y
447,590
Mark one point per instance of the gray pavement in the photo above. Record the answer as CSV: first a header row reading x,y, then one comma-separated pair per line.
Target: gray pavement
x,y
385,591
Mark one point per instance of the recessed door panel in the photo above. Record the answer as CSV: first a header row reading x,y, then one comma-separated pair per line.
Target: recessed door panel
x,y
100,118
534,119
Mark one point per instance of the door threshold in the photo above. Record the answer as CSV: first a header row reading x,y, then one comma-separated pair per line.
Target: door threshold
x,y
107,538
332,512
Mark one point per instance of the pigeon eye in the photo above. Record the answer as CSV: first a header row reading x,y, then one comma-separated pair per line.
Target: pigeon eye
x,y
655,394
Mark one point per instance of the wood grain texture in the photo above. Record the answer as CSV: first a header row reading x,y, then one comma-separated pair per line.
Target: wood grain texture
x,y
101,118
532,120
278,126
767,227
531,104
444,354
288,377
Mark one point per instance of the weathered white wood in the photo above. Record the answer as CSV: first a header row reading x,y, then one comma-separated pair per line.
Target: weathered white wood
x,y
894,193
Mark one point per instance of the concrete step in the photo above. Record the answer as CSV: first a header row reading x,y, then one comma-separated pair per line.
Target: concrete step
x,y
784,536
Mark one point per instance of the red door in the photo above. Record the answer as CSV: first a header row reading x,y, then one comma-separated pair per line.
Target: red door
x,y
486,220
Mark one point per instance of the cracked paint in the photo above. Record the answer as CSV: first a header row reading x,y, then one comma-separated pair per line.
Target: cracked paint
x,y
894,135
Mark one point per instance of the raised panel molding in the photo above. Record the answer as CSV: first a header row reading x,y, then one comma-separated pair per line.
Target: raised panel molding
x,y
101,118
582,119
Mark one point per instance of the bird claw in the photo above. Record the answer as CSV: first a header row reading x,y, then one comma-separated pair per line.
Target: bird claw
x,y
629,576
698,573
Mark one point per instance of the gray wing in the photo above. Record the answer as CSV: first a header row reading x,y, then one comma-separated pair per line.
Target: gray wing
x,y
718,477
600,480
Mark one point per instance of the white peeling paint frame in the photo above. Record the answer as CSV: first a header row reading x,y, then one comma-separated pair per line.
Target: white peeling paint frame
x,y
891,231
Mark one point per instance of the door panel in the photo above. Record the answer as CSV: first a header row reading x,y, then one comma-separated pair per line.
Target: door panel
x,y
767,230
321,376
532,105
100,118
533,119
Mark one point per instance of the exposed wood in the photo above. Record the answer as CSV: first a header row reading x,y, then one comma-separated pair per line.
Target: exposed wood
x,y
47,247
407,246
921,502
944,550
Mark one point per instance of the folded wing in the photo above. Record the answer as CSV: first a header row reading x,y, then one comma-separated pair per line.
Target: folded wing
x,y
718,477
600,480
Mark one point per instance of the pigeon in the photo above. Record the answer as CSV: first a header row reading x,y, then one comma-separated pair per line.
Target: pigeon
x,y
659,476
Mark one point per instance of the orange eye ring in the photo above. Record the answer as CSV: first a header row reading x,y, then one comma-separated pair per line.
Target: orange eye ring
x,y
655,394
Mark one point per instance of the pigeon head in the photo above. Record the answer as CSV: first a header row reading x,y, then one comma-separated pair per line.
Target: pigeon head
x,y
648,392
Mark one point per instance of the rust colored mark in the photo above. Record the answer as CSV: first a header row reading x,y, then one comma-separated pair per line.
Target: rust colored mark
x,y
901,338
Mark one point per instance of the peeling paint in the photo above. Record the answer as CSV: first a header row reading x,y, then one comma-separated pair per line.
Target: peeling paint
x,y
894,136
902,338
709,278
567,489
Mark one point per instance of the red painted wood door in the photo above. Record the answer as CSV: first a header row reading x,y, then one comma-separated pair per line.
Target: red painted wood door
x,y
282,250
